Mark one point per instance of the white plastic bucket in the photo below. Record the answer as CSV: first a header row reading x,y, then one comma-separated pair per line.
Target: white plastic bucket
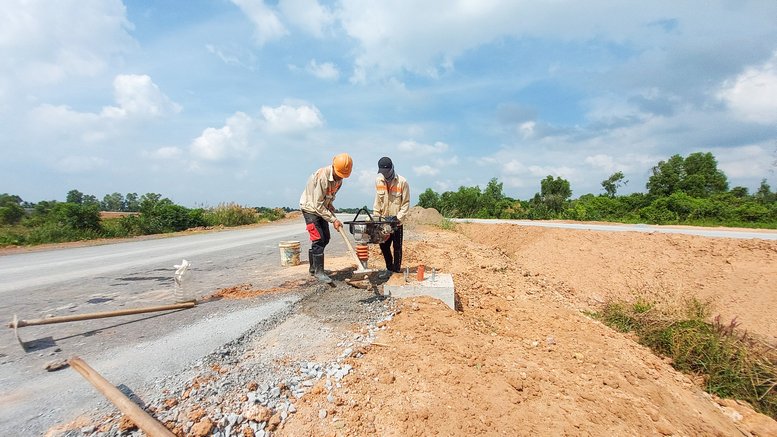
x,y
289,253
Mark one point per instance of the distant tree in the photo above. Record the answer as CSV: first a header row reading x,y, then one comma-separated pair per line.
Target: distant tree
x,y
90,200
74,196
614,182
113,202
697,175
151,201
429,199
703,178
76,216
491,200
554,192
764,193
11,211
739,192
131,202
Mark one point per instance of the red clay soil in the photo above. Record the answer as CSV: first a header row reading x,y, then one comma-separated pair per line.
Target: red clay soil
x,y
521,358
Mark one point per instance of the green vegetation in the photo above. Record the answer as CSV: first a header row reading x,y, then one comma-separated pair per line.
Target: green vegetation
x,y
447,224
23,223
690,191
732,365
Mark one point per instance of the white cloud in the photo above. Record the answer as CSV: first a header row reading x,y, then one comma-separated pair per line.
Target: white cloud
x,y
751,162
425,170
752,96
267,25
42,44
602,161
165,153
327,70
289,119
307,15
234,57
365,180
513,167
138,95
227,142
422,149
80,164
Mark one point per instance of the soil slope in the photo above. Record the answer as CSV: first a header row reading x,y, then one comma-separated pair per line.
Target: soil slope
x,y
520,357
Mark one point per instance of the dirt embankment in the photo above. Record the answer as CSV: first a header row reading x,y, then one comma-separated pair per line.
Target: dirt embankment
x,y
520,358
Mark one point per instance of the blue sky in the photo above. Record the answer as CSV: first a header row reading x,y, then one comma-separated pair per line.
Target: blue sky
x,y
210,101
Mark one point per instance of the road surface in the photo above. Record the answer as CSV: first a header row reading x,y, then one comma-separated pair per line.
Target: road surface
x,y
130,350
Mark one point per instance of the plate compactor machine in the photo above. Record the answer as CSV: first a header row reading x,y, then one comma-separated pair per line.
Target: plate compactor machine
x,y
369,230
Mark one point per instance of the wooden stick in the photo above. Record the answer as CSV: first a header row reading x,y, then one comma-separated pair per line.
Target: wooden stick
x,y
143,420
359,267
49,320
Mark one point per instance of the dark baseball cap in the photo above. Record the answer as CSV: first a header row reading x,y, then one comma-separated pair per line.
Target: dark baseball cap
x,y
386,167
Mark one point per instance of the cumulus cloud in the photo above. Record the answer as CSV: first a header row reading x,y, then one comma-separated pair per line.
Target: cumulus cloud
x,y
229,141
242,135
41,44
307,15
752,95
288,119
267,25
327,70
422,149
425,170
602,161
138,95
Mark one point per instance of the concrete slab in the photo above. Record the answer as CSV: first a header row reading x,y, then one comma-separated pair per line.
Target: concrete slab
x,y
439,288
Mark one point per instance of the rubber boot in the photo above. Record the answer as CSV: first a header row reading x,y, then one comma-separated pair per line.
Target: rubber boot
x,y
311,267
318,259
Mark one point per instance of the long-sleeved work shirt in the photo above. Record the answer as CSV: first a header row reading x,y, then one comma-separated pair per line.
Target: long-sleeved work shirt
x,y
392,198
319,194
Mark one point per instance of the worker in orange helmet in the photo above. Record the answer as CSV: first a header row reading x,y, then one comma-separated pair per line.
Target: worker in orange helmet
x,y
318,210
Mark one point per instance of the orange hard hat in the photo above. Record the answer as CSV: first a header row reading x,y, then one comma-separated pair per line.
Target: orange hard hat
x,y
343,165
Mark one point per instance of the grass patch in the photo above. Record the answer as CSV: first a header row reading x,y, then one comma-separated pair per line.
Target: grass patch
x,y
732,364
448,224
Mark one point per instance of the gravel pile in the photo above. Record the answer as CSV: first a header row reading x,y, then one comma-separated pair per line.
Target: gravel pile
x,y
249,387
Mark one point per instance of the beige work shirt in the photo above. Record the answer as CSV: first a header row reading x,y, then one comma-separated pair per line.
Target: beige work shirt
x,y
391,198
320,193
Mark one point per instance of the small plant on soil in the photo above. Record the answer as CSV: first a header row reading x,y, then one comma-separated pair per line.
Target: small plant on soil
x,y
448,224
731,363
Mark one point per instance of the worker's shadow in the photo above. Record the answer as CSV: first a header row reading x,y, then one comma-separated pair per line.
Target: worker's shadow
x,y
40,344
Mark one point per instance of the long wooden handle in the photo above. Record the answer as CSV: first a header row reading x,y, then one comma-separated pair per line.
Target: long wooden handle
x,y
77,317
143,420
350,248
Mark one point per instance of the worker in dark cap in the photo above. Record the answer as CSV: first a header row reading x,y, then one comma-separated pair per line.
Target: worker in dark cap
x,y
392,202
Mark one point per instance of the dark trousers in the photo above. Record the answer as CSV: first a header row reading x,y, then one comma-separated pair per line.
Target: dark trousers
x,y
393,263
318,228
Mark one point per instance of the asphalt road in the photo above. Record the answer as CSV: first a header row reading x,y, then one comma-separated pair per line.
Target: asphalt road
x,y
130,350
685,230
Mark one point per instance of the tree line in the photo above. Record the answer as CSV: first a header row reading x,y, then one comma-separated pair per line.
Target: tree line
x,y
79,218
680,190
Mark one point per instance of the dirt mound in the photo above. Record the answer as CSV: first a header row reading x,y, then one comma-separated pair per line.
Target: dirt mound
x,y
590,267
247,291
423,216
521,358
